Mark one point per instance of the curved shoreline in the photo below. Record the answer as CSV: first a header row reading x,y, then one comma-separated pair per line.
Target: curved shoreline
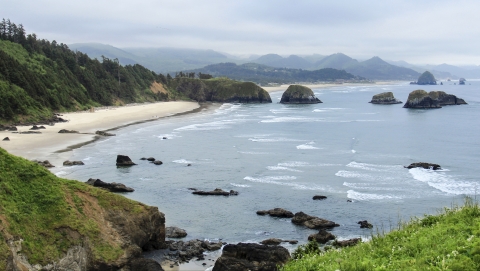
x,y
55,147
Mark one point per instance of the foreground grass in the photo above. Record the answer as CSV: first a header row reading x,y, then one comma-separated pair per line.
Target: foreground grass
x,y
448,241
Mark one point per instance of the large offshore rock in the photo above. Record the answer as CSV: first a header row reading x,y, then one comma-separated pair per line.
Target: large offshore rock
x,y
123,160
384,98
297,94
312,222
322,236
433,99
426,78
276,212
249,256
424,165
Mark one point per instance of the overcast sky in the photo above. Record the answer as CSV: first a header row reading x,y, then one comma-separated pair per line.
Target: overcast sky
x,y
417,31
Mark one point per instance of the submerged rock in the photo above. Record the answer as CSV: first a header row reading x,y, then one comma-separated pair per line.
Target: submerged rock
x,y
297,94
424,165
123,160
6,139
433,99
157,162
312,222
112,187
73,163
216,192
364,224
384,98
103,133
276,212
65,131
319,197
249,256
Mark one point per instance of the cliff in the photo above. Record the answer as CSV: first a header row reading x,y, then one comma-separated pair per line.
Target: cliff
x,y
49,223
433,99
221,90
297,94
384,98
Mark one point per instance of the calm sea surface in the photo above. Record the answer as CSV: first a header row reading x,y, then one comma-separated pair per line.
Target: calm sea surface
x,y
279,155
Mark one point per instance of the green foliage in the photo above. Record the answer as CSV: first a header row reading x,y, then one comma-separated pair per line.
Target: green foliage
x,y
298,91
311,248
39,77
447,241
50,214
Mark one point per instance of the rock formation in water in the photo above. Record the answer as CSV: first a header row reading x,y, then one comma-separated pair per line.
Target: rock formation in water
x,y
249,256
312,222
424,165
322,236
347,243
73,163
297,94
123,160
112,187
276,212
384,98
433,99
175,232
216,192
426,78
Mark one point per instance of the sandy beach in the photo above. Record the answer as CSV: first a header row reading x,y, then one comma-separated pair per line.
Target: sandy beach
x,y
55,147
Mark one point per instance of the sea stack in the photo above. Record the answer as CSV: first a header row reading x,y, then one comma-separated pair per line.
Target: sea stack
x,y
384,98
426,78
433,99
296,94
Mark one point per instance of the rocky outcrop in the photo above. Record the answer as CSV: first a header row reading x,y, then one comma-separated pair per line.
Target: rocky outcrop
x,y
65,131
45,163
6,139
347,243
35,127
157,162
123,160
297,94
424,165
384,98
277,212
276,242
254,257
461,81
312,222
8,128
364,224
319,197
322,236
143,264
216,192
73,163
175,232
426,78
433,99
103,133
183,251
112,187
30,132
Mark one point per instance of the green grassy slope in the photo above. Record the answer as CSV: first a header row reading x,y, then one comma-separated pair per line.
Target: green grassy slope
x,y
448,241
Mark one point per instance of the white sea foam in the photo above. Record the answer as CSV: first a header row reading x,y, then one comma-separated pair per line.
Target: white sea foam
x,y
252,152
362,176
273,139
215,125
61,173
276,180
444,182
283,168
227,108
319,110
87,158
354,151
306,147
373,167
290,119
181,161
294,164
240,185
282,110
352,194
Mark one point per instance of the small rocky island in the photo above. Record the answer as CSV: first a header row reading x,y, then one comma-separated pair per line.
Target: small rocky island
x,y
296,94
425,78
433,99
384,98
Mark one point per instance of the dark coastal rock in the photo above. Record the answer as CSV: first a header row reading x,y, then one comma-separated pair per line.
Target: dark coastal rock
x,y
35,127
103,133
433,99
143,158
183,251
6,139
112,187
276,212
65,131
123,160
364,224
276,242
426,78
216,192
145,264
424,165
8,128
30,132
254,257
73,163
384,98
347,243
461,81
312,222
157,162
45,163
164,137
175,232
322,236
297,94
151,159
319,197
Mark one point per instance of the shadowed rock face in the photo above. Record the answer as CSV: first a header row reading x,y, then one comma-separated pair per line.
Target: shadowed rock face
x,y
433,99
312,222
123,160
277,212
384,98
296,94
254,257
424,165
321,236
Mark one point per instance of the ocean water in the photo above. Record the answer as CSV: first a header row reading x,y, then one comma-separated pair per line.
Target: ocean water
x,y
279,155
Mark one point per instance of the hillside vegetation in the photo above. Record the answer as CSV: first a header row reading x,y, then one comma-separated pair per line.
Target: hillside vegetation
x,y
447,241
38,77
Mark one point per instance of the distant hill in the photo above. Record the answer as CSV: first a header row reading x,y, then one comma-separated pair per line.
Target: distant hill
x,y
336,61
292,62
96,50
263,74
465,72
376,68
